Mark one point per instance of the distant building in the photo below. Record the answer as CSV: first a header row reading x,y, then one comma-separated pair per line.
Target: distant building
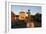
x,y
22,15
13,16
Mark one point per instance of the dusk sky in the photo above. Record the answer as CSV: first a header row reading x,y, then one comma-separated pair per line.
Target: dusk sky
x,y
33,9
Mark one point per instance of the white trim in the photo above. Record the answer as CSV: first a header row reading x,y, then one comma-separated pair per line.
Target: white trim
x,y
9,14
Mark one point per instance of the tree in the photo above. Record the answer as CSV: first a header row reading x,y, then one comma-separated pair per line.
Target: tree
x,y
37,20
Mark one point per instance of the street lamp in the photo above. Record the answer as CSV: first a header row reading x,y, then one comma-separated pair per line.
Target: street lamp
x,y
29,17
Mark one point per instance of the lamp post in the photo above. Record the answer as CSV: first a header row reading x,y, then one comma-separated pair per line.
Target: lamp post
x,y
29,18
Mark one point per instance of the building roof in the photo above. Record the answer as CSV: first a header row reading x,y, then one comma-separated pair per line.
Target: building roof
x,y
22,12
12,14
